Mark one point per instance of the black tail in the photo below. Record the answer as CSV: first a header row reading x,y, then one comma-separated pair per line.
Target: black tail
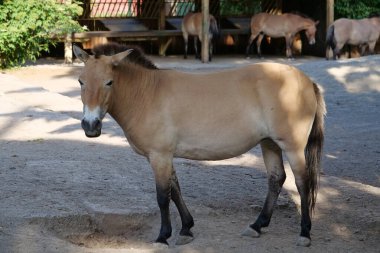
x,y
214,30
330,40
313,151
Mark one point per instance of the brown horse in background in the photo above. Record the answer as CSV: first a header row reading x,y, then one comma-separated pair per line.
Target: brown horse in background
x,y
192,25
213,116
363,32
286,25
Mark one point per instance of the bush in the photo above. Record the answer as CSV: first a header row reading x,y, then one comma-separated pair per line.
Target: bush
x,y
356,9
28,27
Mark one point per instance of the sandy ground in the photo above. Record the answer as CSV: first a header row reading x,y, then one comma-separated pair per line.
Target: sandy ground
x,y
63,192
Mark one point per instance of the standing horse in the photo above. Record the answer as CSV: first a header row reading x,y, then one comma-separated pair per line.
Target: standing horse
x,y
363,32
192,25
167,114
286,25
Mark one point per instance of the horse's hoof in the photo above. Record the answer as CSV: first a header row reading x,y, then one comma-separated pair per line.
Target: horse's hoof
x,y
303,241
247,58
250,232
160,246
184,239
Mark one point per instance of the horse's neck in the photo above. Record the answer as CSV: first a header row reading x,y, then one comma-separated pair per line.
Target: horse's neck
x,y
375,21
134,90
304,24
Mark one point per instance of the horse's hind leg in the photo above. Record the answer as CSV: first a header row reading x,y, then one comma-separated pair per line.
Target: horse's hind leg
x,y
297,163
197,55
251,39
272,155
258,44
186,40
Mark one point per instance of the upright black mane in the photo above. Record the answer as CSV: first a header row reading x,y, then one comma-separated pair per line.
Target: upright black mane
x,y
136,56
301,14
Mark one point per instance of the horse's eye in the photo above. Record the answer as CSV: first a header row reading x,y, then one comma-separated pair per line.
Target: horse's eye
x,y
80,82
109,83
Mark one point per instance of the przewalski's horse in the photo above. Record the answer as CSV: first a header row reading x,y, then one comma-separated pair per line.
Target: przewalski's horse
x,y
167,114
363,32
276,26
192,25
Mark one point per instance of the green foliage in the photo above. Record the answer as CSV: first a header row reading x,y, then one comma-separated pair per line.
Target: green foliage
x,y
239,7
28,27
356,9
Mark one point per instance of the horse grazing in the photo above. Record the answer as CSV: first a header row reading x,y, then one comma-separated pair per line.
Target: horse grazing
x,y
286,25
192,25
363,32
167,114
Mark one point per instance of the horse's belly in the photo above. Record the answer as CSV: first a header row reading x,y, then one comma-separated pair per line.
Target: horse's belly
x,y
215,147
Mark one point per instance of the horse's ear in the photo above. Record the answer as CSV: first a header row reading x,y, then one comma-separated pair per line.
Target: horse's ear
x,y
316,22
80,53
118,58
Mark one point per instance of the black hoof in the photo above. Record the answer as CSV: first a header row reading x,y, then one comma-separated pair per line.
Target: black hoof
x,y
162,241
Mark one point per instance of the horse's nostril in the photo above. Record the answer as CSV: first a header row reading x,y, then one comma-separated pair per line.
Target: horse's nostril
x,y
85,125
97,124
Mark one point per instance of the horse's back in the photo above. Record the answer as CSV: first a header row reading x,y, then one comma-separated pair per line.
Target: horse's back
x,y
191,23
273,25
353,31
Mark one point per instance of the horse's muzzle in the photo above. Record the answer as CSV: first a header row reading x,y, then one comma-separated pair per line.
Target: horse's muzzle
x,y
312,42
92,128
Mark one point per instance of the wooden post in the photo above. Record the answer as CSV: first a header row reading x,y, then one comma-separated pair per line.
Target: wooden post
x,y
68,49
329,13
68,45
205,30
161,26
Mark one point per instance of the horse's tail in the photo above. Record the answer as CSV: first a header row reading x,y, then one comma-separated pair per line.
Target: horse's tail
x,y
214,30
313,151
330,40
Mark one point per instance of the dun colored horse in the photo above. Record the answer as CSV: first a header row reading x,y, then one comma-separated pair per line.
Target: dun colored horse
x,y
363,32
192,25
167,114
276,26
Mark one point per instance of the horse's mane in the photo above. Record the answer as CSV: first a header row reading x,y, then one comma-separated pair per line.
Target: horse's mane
x,y
136,56
301,14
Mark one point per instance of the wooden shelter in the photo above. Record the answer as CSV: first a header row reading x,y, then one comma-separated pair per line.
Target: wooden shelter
x,y
159,21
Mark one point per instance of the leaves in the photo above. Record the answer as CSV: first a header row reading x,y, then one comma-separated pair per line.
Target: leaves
x,y
356,9
28,27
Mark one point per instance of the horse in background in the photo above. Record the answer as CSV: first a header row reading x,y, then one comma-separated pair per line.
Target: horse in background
x,y
362,32
192,25
276,26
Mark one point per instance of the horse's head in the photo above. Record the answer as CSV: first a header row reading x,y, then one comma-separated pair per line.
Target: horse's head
x,y
310,32
96,81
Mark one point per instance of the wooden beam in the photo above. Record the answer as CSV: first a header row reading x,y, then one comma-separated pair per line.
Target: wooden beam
x,y
126,34
205,30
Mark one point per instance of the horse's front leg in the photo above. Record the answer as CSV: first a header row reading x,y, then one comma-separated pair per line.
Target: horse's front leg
x,y
162,168
289,42
185,235
167,188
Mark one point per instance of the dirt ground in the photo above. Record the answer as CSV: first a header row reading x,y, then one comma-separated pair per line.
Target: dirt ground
x,y
63,192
